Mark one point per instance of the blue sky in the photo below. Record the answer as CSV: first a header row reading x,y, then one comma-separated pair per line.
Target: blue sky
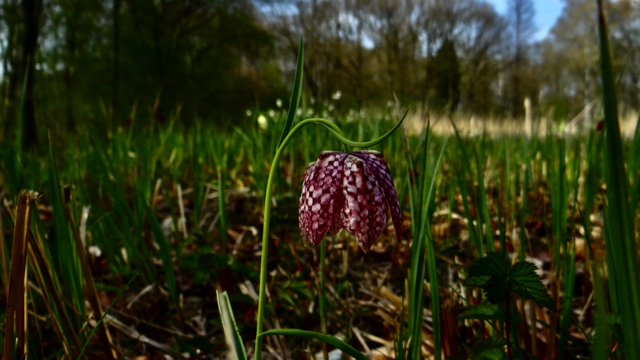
x,y
547,12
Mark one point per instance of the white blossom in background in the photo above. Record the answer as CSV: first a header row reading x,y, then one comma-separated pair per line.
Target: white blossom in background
x,y
262,122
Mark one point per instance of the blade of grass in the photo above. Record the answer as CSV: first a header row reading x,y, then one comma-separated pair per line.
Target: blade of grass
x,y
90,289
57,311
165,255
219,153
296,93
16,306
423,246
231,334
65,254
4,258
474,233
599,346
417,252
634,171
484,206
623,242
333,341
84,347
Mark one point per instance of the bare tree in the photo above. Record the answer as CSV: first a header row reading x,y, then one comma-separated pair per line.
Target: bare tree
x,y
521,20
482,40
31,11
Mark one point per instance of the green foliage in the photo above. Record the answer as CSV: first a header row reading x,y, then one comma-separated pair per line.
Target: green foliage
x,y
421,197
489,349
483,312
497,278
619,224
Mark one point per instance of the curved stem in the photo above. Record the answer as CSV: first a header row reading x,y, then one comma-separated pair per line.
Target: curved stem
x,y
267,206
267,217
507,323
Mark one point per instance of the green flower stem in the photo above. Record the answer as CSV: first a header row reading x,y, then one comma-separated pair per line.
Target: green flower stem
x,y
323,309
267,217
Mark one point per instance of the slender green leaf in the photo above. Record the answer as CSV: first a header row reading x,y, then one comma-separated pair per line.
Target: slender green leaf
x,y
333,341
232,337
622,237
86,343
165,256
296,93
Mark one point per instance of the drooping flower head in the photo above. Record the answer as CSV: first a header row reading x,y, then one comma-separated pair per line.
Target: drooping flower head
x,y
351,191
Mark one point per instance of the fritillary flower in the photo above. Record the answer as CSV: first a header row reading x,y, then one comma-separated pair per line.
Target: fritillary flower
x,y
351,191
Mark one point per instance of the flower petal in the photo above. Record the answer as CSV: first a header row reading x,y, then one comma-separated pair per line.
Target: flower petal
x,y
322,180
364,214
378,166
336,224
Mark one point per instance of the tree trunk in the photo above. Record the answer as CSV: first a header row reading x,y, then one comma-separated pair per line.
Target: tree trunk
x,y
31,12
71,43
11,66
116,58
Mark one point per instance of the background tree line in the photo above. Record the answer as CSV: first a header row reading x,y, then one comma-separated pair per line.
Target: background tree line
x,y
110,62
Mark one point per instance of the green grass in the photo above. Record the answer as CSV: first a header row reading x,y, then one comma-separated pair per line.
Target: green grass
x,y
130,184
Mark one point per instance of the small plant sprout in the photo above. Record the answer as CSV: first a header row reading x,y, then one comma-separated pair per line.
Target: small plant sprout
x,y
350,191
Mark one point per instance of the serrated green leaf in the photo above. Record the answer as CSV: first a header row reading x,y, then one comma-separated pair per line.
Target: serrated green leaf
x,y
490,265
496,288
489,348
488,312
476,281
526,283
492,355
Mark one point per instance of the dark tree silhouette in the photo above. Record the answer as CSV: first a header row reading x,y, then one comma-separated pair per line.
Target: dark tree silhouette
x,y
31,10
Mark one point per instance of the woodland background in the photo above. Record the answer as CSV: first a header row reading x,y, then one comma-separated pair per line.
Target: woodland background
x,y
106,63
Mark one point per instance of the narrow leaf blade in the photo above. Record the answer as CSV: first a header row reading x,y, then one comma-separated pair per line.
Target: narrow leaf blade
x,y
296,93
234,341
331,340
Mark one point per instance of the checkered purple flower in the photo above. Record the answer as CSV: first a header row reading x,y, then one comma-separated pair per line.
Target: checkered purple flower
x,y
350,191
